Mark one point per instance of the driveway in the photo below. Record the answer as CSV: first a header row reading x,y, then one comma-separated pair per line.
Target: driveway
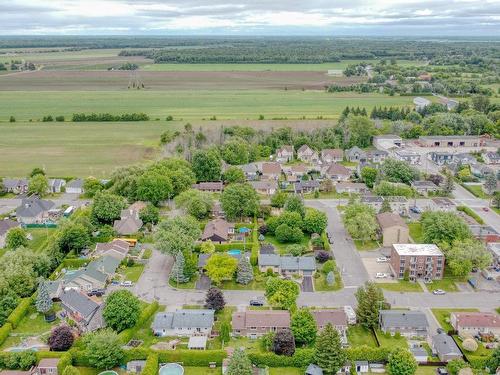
x,y
307,284
203,283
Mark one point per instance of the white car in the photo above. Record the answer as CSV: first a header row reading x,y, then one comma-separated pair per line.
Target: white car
x,y
438,292
127,283
382,259
380,275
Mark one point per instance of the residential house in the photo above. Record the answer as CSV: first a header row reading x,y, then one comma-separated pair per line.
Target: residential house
x,y
337,318
485,233
55,289
441,157
332,155
445,347
129,222
420,261
305,187
5,226
411,157
256,323
33,210
394,229
377,156
408,323
313,369
47,366
355,154
86,313
361,367
307,154
15,185
491,158
287,265
364,164
481,170
136,366
387,142
400,205
337,172
271,171
186,322
464,159
218,230
284,154
56,185
442,204
210,187
351,188
75,186
474,323
451,141
94,276
116,248
250,170
421,103
265,187
424,187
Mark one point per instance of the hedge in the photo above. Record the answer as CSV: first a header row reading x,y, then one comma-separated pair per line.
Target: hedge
x,y
151,366
326,243
192,358
466,210
65,360
128,334
254,256
4,332
19,312
301,358
46,354
79,358
136,354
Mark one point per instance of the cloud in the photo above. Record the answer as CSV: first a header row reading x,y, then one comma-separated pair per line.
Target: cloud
x,y
281,17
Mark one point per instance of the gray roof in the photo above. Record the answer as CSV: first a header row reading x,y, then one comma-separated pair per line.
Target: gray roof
x,y
106,264
403,318
79,302
272,260
12,183
418,352
298,263
86,273
6,225
76,184
355,150
196,318
445,345
313,369
32,207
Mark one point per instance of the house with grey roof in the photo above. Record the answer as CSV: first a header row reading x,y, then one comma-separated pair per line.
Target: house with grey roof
x,y
85,312
491,158
377,156
445,347
407,323
424,187
75,186
94,276
251,171
15,185
129,222
54,288
186,322
304,187
56,185
355,154
287,264
5,226
33,210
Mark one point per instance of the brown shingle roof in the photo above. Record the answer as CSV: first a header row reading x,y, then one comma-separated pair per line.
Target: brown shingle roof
x,y
6,225
477,319
390,219
337,169
332,152
271,168
261,318
335,317
218,227
48,362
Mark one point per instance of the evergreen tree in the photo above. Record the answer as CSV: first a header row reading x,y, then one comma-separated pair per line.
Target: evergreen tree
x,y
490,183
244,272
43,301
330,278
370,301
177,274
329,354
448,183
239,364
386,206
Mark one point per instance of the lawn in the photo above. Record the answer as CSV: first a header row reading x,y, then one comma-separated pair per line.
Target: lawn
x,y
391,341
443,315
285,371
477,191
358,335
447,284
401,286
416,232
258,283
40,237
426,370
367,245
132,273
320,284
281,247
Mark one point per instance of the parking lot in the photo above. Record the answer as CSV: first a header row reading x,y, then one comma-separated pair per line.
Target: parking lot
x,y
373,267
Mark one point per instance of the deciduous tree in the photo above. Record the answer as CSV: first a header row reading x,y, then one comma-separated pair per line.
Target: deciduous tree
x,y
38,184
303,327
239,364
177,234
315,221
207,165
16,237
401,362
195,203
239,200
104,349
234,175
443,227
61,338
284,343
221,267
282,293
107,207
122,310
214,299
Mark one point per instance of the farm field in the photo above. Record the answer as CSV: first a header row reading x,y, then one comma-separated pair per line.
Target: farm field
x,y
191,105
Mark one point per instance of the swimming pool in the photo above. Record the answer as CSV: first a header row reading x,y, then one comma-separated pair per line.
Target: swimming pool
x,y
171,369
108,372
234,252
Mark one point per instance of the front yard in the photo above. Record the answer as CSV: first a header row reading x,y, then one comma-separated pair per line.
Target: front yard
x,y
132,273
281,247
320,284
366,245
401,286
443,316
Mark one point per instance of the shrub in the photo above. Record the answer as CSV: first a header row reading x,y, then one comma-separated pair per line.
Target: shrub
x,y
61,338
328,266
470,345
151,366
323,256
146,313
19,312
60,118
4,332
65,361
367,353
285,233
301,358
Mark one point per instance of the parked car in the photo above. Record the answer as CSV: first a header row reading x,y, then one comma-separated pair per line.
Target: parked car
x,y
487,274
256,302
486,209
127,283
96,292
415,210
381,275
438,292
382,259
441,371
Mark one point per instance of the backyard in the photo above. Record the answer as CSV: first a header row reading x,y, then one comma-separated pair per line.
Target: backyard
x,y
416,232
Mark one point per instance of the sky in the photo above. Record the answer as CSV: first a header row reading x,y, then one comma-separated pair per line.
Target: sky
x,y
251,17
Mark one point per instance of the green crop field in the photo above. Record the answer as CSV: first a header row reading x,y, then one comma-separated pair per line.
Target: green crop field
x,y
191,104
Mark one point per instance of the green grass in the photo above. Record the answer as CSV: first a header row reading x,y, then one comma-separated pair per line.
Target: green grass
x,y
401,286
132,273
258,283
285,371
476,191
416,232
426,370
367,245
281,247
389,341
147,253
191,104
40,238
320,284
358,335
189,285
442,315
447,284
468,211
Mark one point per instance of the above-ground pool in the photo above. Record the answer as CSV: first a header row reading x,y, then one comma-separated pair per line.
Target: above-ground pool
x,y
171,369
108,372
234,252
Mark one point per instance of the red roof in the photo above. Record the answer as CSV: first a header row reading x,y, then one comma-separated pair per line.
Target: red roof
x,y
261,318
477,319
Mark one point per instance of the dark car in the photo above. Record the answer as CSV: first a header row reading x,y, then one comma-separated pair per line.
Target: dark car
x,y
96,292
256,302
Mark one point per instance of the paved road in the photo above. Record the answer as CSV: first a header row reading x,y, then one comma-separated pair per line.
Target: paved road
x,y
351,267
